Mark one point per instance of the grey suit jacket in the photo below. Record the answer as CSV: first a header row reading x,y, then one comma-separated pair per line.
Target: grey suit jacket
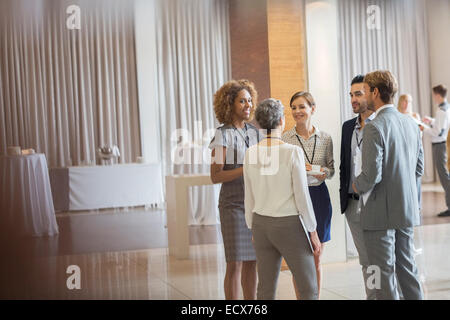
x,y
392,159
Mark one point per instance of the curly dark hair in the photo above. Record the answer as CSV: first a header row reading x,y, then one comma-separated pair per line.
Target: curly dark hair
x,y
225,96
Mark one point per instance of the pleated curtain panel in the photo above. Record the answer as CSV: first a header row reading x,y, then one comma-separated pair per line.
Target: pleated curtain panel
x,y
392,35
65,92
193,58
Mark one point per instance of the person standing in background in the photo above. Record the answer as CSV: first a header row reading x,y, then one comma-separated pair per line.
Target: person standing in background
x,y
438,131
317,149
404,106
351,145
233,106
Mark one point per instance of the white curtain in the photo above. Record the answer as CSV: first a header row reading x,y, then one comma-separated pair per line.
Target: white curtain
x,y
67,92
193,62
400,45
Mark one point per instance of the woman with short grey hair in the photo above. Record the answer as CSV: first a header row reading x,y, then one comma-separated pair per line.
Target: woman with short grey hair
x,y
269,113
278,207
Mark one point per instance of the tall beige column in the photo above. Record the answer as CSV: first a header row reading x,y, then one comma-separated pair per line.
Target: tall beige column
x,y
268,47
285,46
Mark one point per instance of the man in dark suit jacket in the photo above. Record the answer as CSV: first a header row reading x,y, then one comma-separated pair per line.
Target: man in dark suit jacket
x,y
351,143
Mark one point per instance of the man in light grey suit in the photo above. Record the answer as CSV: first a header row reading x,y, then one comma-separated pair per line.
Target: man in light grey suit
x,y
392,159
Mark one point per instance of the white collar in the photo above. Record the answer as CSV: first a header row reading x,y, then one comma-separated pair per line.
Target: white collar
x,y
358,120
316,132
383,107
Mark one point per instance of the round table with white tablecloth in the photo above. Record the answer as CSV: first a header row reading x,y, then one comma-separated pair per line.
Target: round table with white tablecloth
x,y
26,203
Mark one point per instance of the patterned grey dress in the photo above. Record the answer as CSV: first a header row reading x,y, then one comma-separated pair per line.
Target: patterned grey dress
x,y
237,238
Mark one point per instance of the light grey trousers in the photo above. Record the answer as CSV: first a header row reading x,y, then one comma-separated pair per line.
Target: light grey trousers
x,y
354,222
275,238
391,251
440,162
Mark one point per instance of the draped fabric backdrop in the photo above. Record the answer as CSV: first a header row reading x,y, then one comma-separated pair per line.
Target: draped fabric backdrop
x,y
401,46
67,92
193,62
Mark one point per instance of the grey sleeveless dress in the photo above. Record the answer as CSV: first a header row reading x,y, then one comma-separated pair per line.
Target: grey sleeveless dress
x,y
237,238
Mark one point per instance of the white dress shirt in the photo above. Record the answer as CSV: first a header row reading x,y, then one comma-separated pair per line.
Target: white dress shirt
x,y
276,184
383,107
356,146
440,124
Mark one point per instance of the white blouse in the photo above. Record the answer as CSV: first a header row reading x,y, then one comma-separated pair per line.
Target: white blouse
x,y
276,184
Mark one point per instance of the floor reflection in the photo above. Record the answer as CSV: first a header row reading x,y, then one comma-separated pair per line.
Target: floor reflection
x,y
124,255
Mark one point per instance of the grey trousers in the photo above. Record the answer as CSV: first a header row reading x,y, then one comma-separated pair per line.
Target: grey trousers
x,y
275,238
391,251
440,162
354,222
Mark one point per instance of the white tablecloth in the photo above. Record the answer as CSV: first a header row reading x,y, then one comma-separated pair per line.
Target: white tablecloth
x,y
26,204
97,187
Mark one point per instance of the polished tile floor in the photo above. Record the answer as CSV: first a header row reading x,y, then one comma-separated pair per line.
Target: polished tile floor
x,y
122,254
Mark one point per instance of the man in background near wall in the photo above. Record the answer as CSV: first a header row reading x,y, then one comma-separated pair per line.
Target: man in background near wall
x,y
438,131
351,144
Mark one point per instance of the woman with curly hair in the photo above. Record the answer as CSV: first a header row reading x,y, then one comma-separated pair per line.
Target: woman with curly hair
x,y
233,106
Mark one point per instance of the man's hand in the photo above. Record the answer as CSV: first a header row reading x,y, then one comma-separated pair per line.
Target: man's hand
x,y
354,188
427,120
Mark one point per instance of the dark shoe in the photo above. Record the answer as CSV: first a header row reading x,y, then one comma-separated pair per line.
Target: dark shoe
x,y
444,214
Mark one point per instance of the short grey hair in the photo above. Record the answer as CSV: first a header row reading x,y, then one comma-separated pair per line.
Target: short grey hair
x,y
269,113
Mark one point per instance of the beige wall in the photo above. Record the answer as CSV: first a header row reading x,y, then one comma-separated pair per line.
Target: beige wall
x,y
272,34
439,41
287,51
323,82
438,14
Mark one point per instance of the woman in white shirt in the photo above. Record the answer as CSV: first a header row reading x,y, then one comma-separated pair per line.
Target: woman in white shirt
x,y
278,207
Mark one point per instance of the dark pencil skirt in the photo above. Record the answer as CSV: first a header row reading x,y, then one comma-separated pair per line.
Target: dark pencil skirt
x,y
320,199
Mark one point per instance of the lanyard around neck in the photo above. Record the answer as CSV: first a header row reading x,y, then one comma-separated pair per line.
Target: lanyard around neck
x,y
314,150
357,130
244,137
356,137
